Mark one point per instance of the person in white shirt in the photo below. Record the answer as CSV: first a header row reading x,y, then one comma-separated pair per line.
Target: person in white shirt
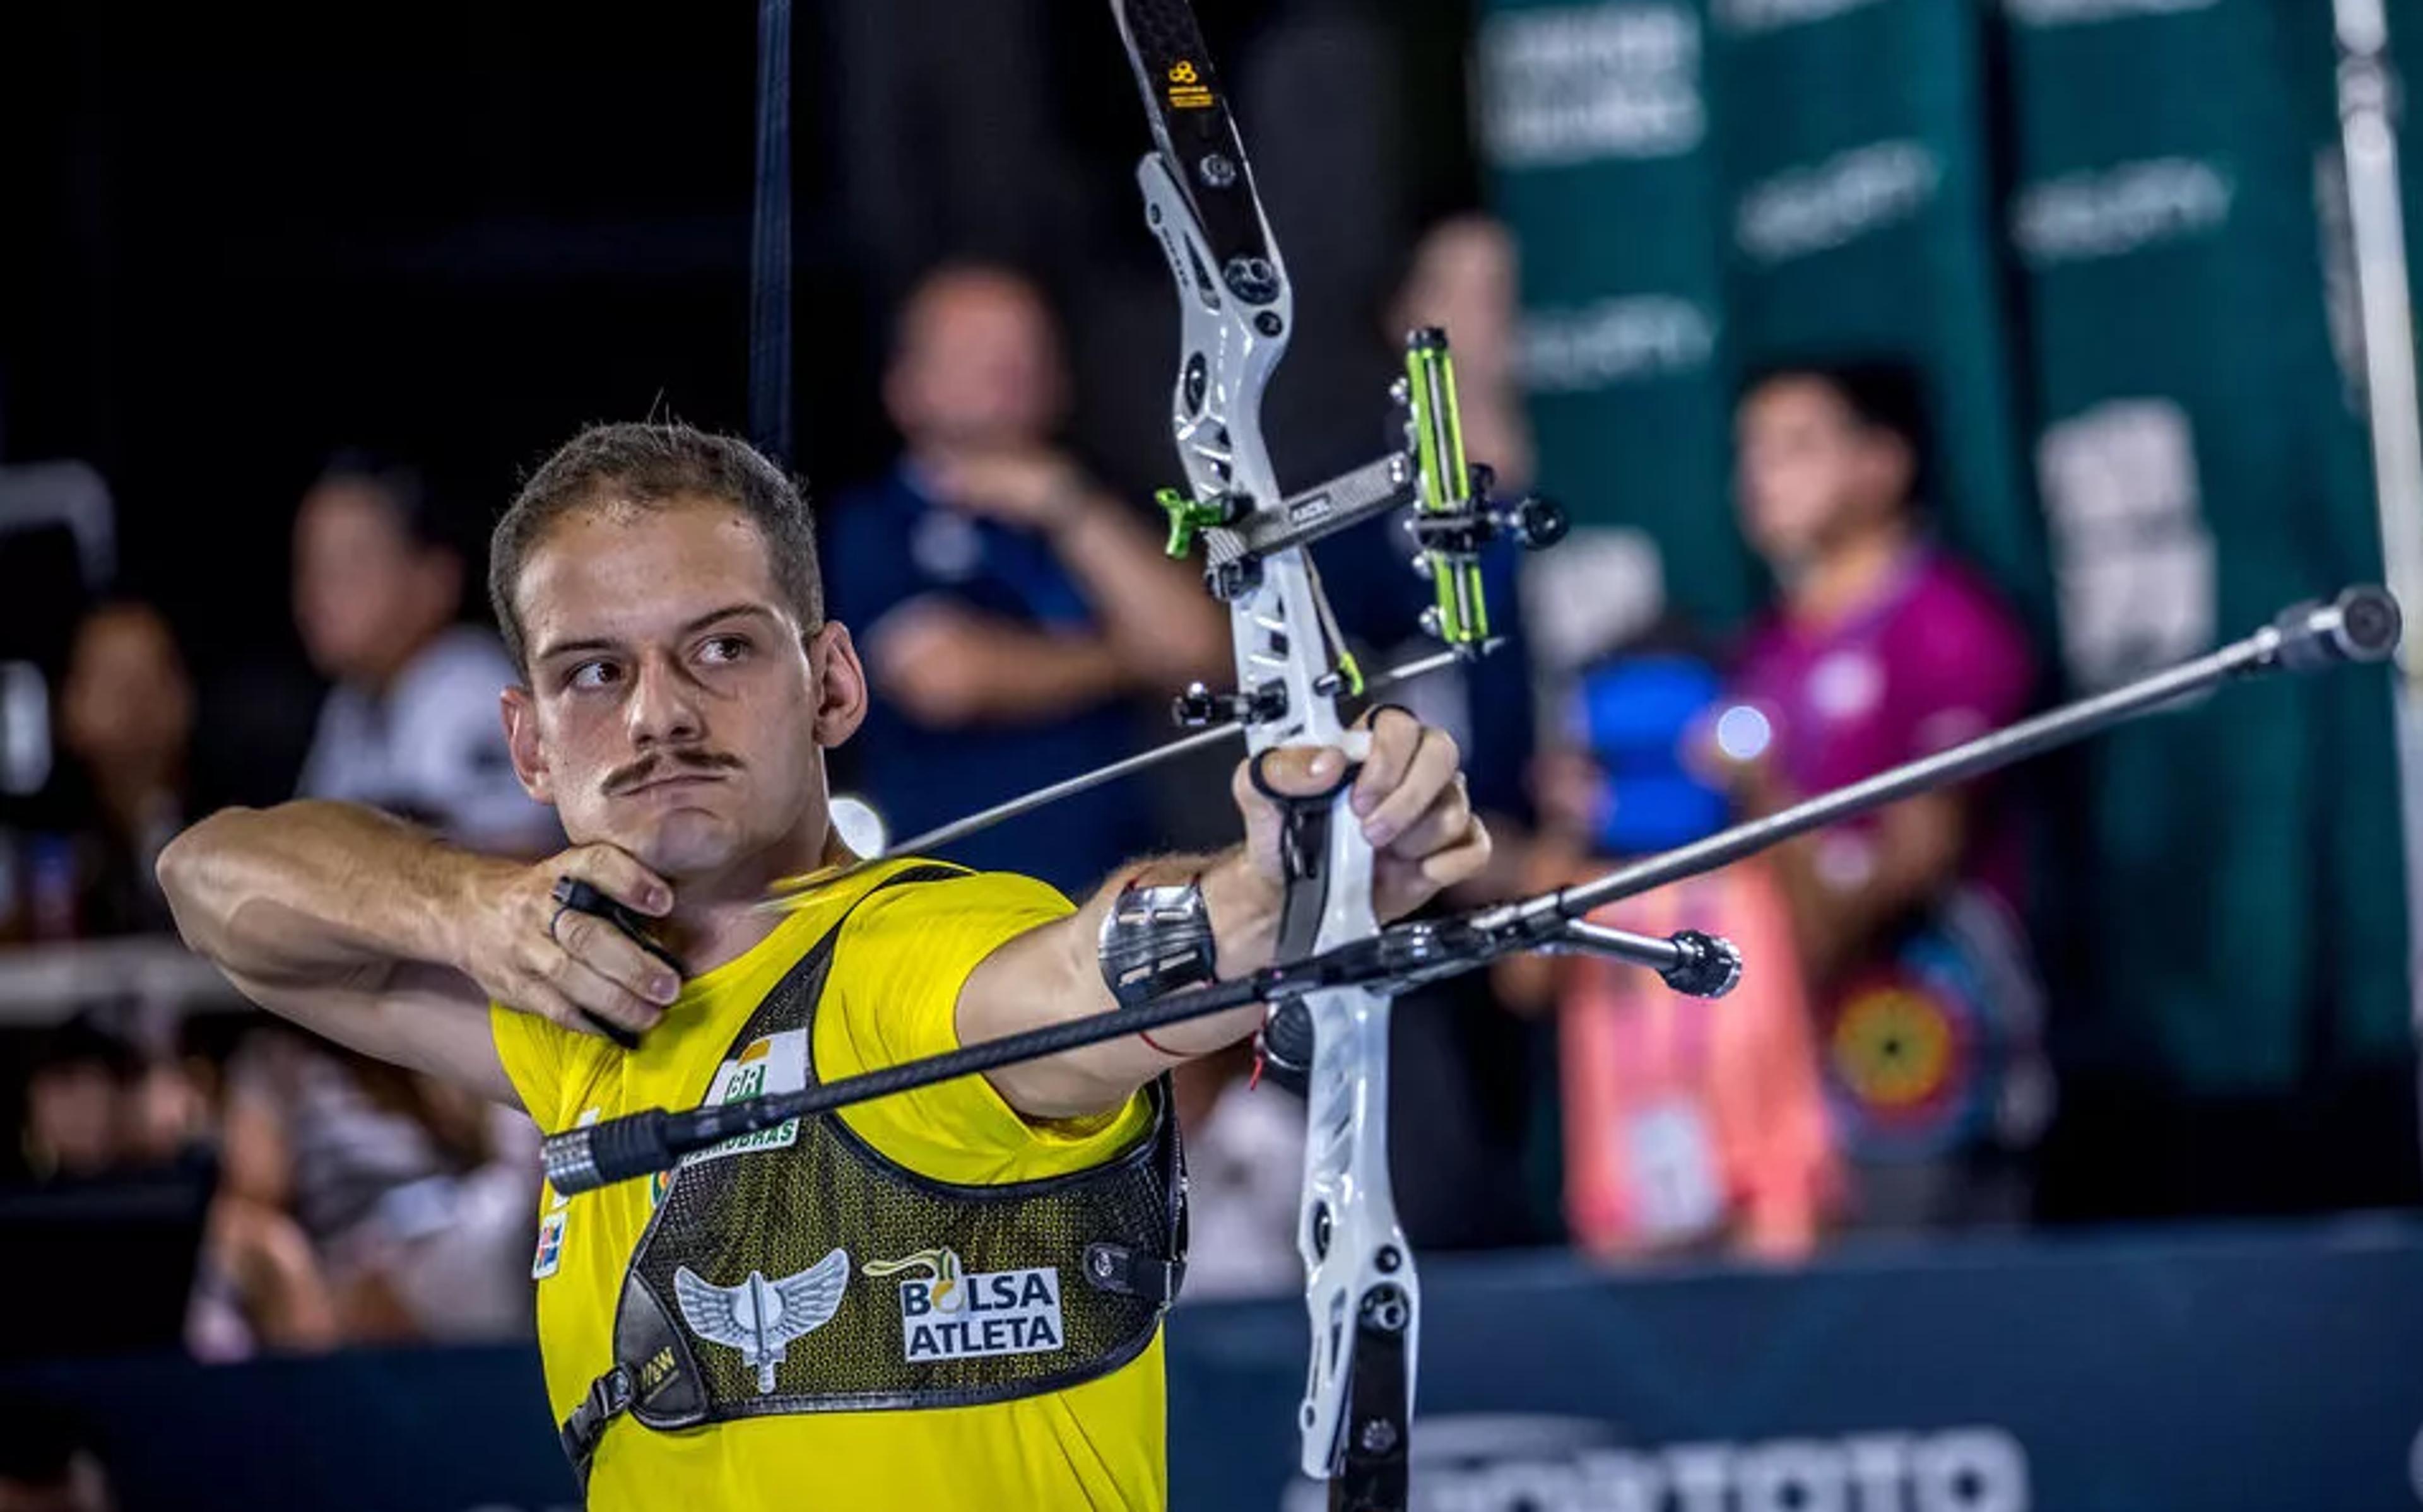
x,y
423,1233
412,724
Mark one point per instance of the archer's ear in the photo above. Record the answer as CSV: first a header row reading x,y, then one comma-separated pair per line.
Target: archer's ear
x,y
520,713
839,683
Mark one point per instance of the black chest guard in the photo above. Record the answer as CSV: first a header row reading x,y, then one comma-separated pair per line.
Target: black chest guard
x,y
805,1272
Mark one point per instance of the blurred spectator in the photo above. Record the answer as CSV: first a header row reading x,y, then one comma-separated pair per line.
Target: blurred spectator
x,y
126,724
999,592
1460,278
75,857
50,1461
412,724
100,1105
419,1200
72,1109
1880,648
1688,1123
1244,1171
418,1207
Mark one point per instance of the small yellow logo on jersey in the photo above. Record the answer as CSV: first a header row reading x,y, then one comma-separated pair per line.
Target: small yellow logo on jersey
x,y
652,1371
943,1274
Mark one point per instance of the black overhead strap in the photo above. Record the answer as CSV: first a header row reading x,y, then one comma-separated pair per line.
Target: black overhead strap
x,y
771,408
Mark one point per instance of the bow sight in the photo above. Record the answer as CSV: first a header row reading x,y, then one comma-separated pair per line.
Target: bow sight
x,y
1452,520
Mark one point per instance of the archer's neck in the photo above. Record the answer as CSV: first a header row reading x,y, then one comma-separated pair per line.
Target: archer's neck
x,y
720,918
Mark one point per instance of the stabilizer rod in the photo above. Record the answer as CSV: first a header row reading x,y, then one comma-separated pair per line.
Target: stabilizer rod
x,y
2361,624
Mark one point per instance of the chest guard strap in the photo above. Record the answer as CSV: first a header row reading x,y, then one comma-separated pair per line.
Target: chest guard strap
x,y
799,1269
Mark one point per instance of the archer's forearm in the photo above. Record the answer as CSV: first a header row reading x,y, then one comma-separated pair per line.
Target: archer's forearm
x,y
315,891
1053,974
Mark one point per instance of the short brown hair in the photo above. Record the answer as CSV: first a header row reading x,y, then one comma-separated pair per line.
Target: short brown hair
x,y
647,466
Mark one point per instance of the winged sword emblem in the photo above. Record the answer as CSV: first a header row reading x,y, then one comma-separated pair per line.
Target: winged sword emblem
x,y
761,1317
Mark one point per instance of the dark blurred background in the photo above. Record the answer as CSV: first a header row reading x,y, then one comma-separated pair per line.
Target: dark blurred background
x,y
237,241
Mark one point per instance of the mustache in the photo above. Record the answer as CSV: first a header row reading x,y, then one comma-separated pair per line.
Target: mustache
x,y
673,763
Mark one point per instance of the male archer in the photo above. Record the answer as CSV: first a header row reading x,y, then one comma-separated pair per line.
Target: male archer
x,y
946,1299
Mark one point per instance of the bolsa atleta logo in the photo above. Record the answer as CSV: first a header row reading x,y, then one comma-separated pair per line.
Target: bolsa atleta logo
x,y
947,1314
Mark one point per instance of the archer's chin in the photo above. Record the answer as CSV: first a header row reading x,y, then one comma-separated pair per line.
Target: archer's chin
x,y
683,843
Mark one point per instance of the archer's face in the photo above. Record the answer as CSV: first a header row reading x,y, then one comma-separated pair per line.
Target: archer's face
x,y
674,707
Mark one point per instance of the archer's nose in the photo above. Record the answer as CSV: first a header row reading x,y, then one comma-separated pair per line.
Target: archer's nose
x,y
664,707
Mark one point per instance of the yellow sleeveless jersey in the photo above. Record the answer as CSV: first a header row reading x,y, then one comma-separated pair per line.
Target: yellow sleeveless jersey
x,y
891,996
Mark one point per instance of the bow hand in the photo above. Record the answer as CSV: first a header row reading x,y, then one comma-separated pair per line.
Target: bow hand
x,y
1406,793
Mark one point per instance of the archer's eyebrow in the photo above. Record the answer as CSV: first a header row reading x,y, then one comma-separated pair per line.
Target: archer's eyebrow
x,y
730,612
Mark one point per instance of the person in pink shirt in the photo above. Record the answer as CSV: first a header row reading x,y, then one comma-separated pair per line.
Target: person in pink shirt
x,y
1689,1126
1879,648
1879,1055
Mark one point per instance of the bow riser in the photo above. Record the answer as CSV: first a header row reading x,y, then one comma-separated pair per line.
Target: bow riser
x,y
1216,403
1236,312
1357,1265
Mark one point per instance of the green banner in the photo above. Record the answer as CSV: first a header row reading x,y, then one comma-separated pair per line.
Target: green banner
x,y
2200,467
1863,222
1596,120
2108,230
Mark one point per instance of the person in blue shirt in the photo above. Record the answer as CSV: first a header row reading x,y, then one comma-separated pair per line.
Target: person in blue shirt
x,y
1013,608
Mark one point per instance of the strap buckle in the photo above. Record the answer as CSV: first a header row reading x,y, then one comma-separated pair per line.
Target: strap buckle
x,y
610,1396
1116,1268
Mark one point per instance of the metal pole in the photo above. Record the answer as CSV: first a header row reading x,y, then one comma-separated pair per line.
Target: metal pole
x,y
2369,141
770,403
